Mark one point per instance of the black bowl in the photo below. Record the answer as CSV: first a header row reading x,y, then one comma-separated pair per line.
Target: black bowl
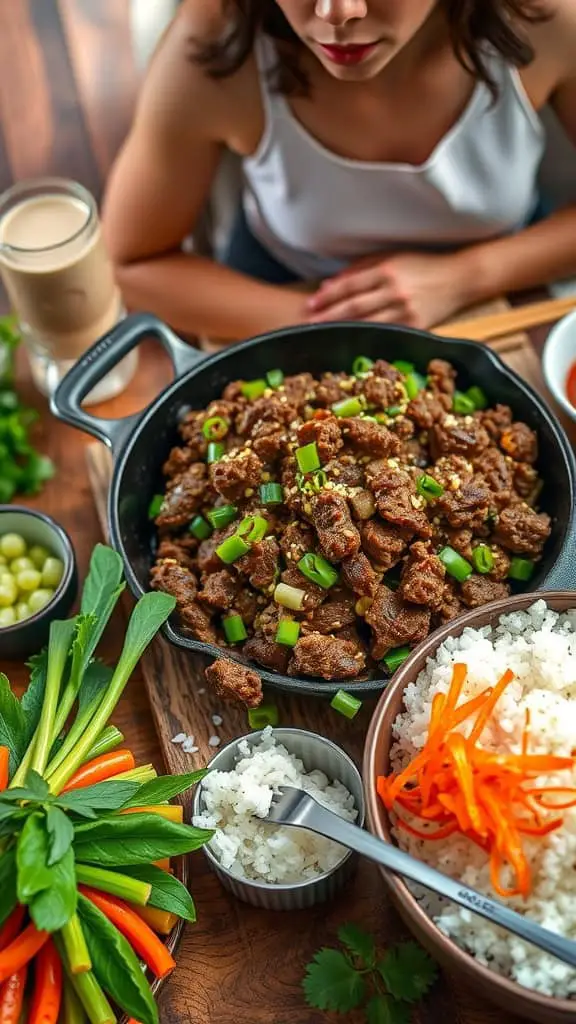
x,y
29,636
141,443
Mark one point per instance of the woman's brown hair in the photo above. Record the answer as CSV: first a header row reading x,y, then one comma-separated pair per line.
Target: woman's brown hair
x,y
475,25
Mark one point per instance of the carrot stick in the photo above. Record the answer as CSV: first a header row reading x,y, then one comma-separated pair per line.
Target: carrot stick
x,y
21,951
12,997
101,769
171,812
161,921
163,864
145,943
47,987
4,767
11,927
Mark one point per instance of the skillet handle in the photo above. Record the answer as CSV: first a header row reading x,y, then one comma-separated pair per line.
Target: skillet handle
x,y
100,359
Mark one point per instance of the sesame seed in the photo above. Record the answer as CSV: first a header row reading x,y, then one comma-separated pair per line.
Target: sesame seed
x,y
248,492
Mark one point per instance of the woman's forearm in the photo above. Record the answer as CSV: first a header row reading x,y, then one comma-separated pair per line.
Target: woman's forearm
x,y
197,296
533,257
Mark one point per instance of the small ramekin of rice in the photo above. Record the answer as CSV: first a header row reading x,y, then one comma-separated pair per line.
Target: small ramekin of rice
x,y
271,866
536,640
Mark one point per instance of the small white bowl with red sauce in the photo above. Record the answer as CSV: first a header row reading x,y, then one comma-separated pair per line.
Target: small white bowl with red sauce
x,y
559,363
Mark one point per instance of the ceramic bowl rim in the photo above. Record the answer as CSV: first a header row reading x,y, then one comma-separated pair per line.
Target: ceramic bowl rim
x,y
67,575
459,957
284,886
552,342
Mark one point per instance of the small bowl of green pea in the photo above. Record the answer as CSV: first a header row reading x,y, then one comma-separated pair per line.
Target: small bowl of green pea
x,y
38,579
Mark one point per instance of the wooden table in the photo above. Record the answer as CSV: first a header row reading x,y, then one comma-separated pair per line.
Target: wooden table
x,y
205,987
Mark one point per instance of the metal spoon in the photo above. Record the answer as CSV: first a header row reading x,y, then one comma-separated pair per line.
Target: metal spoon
x,y
294,807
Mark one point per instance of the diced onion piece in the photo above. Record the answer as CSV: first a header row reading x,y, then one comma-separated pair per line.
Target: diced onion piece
x,y
289,597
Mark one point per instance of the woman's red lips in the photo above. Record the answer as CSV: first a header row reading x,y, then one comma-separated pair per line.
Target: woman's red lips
x,y
347,54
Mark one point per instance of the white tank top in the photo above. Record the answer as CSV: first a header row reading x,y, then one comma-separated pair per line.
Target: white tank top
x,y
316,211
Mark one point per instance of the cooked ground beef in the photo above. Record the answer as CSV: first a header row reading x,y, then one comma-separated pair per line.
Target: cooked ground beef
x,y
234,682
363,506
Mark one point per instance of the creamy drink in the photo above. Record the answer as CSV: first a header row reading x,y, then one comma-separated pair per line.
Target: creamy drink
x,y
58,276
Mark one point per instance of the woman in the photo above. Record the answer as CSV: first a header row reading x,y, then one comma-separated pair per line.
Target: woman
x,y
390,151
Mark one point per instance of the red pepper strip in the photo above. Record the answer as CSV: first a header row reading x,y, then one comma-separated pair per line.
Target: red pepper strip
x,y
490,704
11,927
459,751
21,951
47,995
440,833
4,767
540,830
12,997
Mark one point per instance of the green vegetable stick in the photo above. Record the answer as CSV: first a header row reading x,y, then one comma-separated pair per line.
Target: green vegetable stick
x,y
115,883
72,1009
61,634
149,614
77,954
110,738
92,998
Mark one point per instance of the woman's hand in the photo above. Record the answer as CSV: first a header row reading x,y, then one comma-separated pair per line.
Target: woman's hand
x,y
416,289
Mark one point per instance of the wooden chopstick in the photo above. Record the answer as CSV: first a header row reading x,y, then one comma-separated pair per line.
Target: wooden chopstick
x,y
499,325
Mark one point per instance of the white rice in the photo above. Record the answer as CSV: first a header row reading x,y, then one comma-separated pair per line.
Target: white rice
x,y
540,647
257,850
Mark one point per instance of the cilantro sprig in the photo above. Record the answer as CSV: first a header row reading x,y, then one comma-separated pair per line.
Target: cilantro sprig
x,y
22,469
386,985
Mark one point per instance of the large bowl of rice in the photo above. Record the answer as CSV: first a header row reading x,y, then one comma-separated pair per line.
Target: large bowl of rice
x,y
536,638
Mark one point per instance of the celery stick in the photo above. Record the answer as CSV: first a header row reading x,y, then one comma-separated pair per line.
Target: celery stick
x,y
142,774
110,738
77,954
72,1009
126,888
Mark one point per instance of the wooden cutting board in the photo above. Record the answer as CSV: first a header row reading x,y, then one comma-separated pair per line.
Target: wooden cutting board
x,y
240,965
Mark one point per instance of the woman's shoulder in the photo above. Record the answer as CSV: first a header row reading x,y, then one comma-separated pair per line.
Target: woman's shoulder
x,y
553,35
177,81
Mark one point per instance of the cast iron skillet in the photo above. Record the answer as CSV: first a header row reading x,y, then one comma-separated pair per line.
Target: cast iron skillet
x,y
140,443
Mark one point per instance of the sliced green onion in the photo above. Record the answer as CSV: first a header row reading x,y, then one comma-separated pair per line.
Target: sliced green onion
x,y
483,559
307,458
275,379
312,484
349,406
266,714
231,549
253,389
215,428
234,629
346,704
396,657
462,404
317,569
222,516
393,410
155,506
362,365
403,367
200,529
252,529
476,395
215,452
290,597
428,487
455,565
288,632
271,494
414,383
521,569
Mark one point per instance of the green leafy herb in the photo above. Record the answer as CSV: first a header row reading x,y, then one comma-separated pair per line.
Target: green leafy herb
x,y
52,908
60,834
344,980
8,894
102,796
116,966
33,698
135,839
167,892
12,724
164,788
34,875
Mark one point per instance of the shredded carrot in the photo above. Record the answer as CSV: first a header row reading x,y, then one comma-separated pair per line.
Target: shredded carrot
x,y
11,926
12,997
4,767
101,769
143,940
456,785
47,995
19,953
